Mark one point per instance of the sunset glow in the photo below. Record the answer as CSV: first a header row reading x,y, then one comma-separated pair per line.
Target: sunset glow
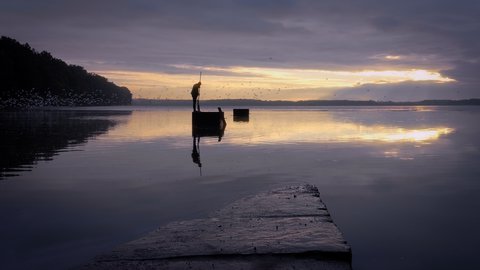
x,y
258,82
392,57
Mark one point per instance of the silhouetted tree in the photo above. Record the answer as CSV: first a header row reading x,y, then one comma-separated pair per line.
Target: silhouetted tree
x,y
29,78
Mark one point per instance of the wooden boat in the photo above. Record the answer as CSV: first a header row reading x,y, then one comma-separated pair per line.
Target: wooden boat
x,y
208,123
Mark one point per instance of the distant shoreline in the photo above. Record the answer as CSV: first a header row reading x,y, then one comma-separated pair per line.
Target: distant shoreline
x,y
253,102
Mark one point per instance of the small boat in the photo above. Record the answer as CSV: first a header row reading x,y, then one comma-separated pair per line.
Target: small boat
x,y
206,123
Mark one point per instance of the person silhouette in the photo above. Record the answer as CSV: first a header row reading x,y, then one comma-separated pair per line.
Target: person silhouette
x,y
195,93
196,151
222,126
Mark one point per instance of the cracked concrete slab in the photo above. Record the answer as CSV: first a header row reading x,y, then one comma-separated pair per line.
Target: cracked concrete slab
x,y
288,228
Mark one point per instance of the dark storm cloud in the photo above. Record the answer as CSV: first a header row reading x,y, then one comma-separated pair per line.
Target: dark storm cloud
x,y
222,16
466,72
343,35
407,91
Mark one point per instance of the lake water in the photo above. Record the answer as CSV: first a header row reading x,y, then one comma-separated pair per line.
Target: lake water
x,y
401,183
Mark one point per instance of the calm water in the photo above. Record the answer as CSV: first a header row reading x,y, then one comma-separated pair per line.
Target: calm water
x,y
402,183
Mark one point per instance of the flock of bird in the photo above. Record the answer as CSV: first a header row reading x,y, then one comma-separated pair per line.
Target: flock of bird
x,y
26,99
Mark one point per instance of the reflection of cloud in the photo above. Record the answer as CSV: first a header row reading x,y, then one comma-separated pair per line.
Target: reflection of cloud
x,y
149,125
268,127
321,128
402,135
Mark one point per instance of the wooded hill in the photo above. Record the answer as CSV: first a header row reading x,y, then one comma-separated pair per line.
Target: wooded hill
x,y
35,79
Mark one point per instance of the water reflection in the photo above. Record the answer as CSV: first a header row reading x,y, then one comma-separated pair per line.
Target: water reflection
x,y
327,127
205,131
241,118
151,125
403,135
29,137
281,127
139,174
196,152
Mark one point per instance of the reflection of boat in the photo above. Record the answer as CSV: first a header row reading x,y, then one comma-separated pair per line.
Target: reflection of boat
x,y
241,118
206,124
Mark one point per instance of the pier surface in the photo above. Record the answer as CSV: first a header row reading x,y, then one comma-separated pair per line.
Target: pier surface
x,y
288,228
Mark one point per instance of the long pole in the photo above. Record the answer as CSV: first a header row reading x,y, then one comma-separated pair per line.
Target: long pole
x,y
200,80
198,146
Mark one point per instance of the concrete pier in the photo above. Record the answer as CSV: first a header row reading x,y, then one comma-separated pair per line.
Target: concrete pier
x,y
288,228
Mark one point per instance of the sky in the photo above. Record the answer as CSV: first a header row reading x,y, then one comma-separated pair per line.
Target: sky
x,y
263,49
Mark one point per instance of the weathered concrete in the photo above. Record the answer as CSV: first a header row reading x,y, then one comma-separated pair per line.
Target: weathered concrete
x,y
287,228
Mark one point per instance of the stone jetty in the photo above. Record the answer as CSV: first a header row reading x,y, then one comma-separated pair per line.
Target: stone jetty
x,y
287,228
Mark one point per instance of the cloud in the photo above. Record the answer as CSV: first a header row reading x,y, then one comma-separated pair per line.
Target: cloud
x,y
407,91
154,36
467,72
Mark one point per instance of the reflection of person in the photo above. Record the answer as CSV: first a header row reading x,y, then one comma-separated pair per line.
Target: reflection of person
x,y
196,151
195,93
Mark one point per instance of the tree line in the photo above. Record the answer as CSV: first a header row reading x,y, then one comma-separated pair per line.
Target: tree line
x,y
35,79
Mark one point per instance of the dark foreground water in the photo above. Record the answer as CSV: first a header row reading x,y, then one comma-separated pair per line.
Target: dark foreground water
x,y
402,183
